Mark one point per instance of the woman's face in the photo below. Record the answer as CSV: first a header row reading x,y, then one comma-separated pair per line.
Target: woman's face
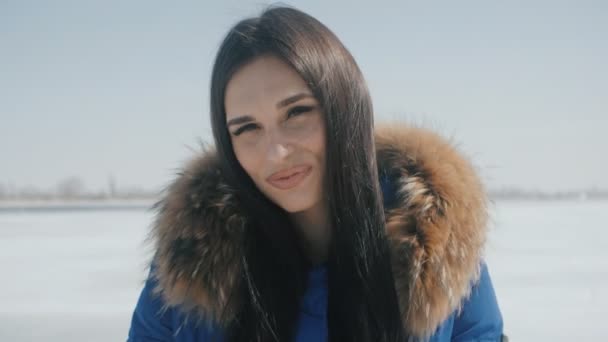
x,y
278,132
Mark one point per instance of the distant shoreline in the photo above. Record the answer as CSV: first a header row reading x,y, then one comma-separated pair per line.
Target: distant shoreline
x,y
74,205
147,204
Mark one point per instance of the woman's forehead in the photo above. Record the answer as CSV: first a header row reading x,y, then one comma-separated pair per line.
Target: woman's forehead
x,y
266,80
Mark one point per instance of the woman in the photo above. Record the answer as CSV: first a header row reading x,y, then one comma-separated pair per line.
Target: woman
x,y
306,224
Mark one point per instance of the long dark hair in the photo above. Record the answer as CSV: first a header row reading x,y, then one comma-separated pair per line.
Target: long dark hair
x,y
362,302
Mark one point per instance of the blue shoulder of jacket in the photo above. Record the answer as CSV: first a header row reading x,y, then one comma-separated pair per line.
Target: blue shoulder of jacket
x,y
480,318
153,323
149,322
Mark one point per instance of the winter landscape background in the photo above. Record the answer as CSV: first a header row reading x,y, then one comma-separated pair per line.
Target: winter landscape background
x,y
76,275
101,102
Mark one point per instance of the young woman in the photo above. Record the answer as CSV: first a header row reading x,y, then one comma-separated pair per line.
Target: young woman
x,y
305,222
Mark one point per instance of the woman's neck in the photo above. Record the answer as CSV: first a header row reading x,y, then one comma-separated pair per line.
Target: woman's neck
x,y
314,232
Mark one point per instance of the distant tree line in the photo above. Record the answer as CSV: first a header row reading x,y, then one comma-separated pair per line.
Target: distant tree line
x,y
73,188
518,194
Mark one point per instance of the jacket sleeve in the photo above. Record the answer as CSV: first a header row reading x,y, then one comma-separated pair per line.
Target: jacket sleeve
x,y
480,319
149,323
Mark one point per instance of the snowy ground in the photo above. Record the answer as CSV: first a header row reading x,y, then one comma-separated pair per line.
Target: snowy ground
x,y
549,263
75,276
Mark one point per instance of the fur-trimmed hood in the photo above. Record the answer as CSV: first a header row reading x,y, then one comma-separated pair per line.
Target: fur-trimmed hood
x,y
438,215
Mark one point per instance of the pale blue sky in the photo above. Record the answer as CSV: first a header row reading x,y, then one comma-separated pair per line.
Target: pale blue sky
x,y
100,88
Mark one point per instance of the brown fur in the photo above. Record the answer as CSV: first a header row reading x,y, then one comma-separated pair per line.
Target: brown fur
x,y
437,230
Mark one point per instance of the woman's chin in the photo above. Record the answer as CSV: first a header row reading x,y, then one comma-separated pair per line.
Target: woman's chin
x,y
294,209
296,206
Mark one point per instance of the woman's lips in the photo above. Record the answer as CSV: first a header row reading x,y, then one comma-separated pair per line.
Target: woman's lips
x,y
289,178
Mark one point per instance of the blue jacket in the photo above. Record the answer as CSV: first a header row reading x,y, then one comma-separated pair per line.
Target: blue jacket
x,y
434,207
480,319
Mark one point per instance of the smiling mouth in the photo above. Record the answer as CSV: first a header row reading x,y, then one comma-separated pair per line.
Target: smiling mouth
x,y
287,179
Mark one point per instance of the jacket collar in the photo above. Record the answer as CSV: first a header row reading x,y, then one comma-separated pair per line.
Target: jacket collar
x,y
435,209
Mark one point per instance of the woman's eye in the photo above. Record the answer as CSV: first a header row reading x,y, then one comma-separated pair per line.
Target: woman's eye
x,y
295,111
245,128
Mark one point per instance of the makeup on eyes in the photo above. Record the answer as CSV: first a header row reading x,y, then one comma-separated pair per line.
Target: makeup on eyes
x,y
291,113
297,110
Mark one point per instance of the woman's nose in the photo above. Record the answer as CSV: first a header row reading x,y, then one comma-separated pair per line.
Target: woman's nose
x,y
278,148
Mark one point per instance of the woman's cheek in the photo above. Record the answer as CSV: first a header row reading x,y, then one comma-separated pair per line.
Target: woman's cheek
x,y
247,159
307,129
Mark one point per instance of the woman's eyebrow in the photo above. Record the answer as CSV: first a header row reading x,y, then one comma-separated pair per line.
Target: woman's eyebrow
x,y
293,99
247,118
239,120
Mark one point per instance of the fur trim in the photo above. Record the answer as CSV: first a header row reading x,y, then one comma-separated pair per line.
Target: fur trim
x,y
436,229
